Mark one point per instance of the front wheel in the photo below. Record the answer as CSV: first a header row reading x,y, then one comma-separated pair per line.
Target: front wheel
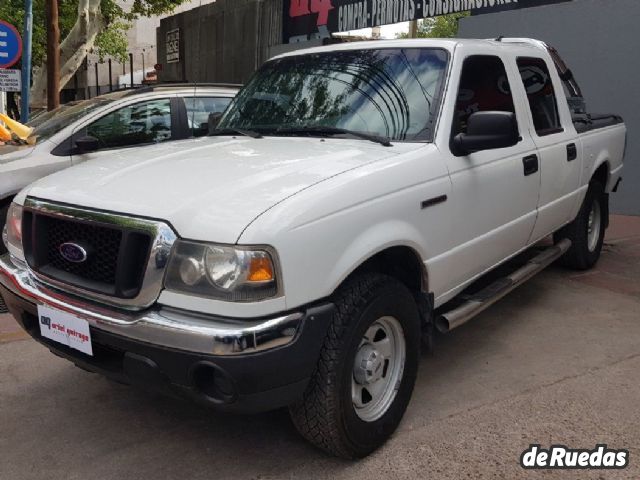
x,y
366,371
587,231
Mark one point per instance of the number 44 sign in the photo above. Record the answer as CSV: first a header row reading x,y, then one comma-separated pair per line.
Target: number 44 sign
x,y
300,8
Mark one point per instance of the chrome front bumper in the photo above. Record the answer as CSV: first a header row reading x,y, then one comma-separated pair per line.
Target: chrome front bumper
x,y
164,327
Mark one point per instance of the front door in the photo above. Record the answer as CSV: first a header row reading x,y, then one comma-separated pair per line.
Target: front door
x,y
143,123
495,192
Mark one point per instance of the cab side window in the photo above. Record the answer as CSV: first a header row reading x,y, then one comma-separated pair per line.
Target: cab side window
x,y
138,124
199,109
541,95
484,86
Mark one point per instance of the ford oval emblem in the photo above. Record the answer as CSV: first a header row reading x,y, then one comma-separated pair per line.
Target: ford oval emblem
x,y
72,252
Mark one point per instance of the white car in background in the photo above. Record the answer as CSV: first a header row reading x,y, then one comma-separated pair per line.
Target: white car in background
x,y
108,125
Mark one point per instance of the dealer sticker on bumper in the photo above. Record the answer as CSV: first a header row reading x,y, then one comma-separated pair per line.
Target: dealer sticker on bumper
x,y
65,328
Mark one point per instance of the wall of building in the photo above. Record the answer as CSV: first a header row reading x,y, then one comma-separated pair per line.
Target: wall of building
x,y
599,41
224,41
141,42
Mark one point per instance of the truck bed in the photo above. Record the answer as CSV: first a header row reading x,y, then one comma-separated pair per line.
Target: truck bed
x,y
586,123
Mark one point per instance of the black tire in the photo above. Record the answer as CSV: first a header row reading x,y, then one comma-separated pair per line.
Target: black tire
x,y
580,256
3,219
325,415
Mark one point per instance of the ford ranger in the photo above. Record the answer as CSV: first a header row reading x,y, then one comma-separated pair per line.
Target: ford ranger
x,y
352,199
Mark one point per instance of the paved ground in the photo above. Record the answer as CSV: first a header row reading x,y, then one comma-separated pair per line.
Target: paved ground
x,y
557,361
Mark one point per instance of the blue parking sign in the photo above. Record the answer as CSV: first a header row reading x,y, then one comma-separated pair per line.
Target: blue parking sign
x,y
10,45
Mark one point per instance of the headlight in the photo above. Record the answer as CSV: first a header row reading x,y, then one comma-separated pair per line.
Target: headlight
x,y
12,234
231,273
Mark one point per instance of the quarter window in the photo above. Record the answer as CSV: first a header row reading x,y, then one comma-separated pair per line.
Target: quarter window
x,y
199,109
484,87
541,95
145,122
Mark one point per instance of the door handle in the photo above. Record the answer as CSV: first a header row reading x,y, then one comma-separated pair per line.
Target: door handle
x,y
530,164
572,152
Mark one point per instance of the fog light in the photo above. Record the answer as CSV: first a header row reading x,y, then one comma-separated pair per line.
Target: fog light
x,y
214,383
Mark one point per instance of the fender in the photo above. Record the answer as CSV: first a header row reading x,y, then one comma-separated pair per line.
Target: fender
x,y
372,241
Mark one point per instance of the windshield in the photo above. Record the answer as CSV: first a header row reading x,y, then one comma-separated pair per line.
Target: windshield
x,y
50,123
391,93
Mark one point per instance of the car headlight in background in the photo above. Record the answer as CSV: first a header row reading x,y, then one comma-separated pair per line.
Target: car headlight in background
x,y
12,234
223,272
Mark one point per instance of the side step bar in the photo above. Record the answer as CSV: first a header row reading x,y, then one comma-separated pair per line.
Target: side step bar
x,y
489,295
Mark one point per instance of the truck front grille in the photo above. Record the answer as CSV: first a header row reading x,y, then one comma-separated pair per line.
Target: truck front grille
x,y
100,266
116,256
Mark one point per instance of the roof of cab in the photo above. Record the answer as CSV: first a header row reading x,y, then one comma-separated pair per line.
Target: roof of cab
x,y
221,88
446,43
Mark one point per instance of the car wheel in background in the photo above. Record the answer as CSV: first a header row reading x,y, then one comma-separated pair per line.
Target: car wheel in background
x,y
3,219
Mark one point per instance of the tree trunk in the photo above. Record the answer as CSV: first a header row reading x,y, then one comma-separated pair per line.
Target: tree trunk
x,y
53,55
73,49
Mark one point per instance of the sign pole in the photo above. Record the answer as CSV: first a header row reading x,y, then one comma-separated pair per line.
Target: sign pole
x,y
26,60
413,29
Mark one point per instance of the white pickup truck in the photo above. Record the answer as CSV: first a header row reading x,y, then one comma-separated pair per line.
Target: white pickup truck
x,y
353,198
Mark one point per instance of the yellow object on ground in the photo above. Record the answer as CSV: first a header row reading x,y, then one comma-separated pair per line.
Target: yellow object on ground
x,y
5,135
22,131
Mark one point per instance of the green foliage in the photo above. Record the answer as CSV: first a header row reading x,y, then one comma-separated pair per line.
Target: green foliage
x,y
445,26
111,42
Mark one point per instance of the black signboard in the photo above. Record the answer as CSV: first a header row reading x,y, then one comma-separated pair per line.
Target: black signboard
x,y
309,19
513,5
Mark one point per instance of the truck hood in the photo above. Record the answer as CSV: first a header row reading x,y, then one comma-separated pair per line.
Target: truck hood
x,y
208,189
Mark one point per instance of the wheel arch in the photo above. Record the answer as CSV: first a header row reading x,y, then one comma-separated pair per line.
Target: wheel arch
x,y
393,248
401,262
602,173
7,200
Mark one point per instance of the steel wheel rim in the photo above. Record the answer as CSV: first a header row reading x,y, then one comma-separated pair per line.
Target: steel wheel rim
x,y
593,226
378,368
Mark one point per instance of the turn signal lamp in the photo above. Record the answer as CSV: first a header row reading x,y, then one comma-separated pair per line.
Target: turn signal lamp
x,y
260,270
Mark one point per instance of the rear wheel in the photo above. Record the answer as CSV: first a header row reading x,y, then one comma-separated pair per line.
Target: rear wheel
x,y
587,231
366,371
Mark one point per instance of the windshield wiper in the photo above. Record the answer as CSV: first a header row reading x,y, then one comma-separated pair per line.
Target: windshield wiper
x,y
320,130
241,131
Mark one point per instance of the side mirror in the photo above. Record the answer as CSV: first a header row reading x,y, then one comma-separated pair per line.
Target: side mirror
x,y
487,131
214,120
87,144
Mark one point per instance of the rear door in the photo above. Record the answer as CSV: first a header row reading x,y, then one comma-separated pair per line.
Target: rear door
x,y
556,139
495,192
